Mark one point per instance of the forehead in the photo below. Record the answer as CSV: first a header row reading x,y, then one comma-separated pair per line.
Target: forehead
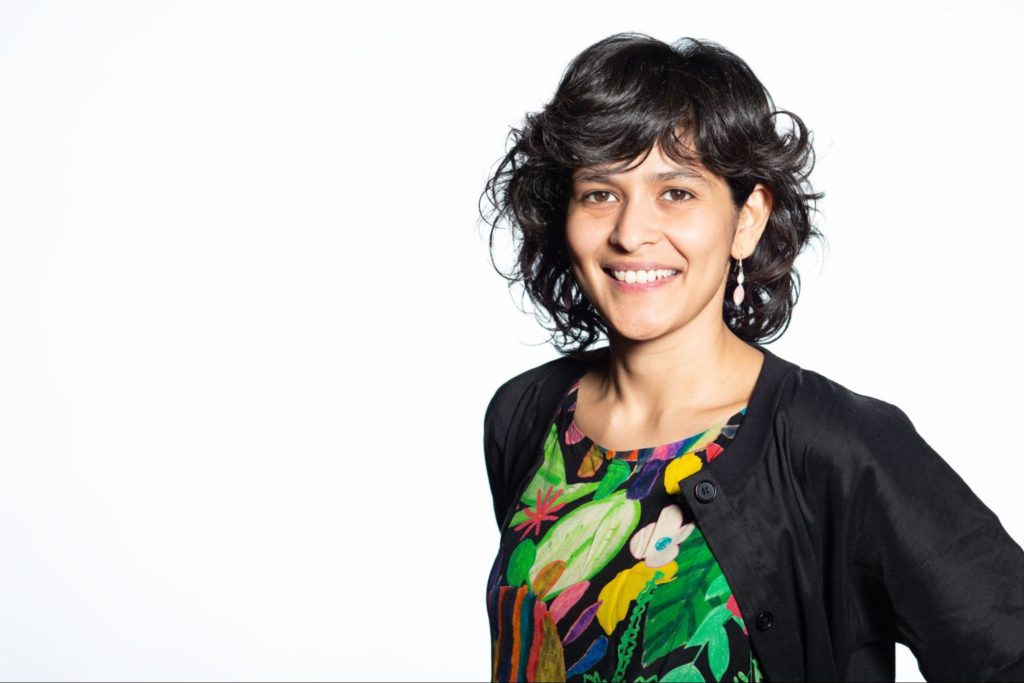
x,y
654,175
656,167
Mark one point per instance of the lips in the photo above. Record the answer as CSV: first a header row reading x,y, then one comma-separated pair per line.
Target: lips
x,y
637,265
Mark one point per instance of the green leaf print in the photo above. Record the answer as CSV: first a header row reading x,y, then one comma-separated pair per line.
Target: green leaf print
x,y
686,672
680,606
628,640
713,622
618,471
718,653
520,562
718,592
756,669
587,539
754,676
551,473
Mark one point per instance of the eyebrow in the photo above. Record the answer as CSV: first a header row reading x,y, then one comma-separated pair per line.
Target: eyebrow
x,y
687,172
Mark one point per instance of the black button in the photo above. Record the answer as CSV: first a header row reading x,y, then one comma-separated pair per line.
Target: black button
x,y
765,620
705,491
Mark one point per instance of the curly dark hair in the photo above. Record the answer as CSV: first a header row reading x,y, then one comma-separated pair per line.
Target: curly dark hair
x,y
616,100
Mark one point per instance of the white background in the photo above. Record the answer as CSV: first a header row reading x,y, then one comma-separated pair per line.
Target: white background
x,y
249,326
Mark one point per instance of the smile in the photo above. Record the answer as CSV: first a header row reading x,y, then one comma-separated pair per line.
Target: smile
x,y
636,280
642,276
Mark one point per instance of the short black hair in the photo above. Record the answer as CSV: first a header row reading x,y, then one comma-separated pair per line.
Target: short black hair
x,y
616,100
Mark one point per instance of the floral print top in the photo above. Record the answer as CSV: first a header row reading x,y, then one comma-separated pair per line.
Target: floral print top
x,y
603,575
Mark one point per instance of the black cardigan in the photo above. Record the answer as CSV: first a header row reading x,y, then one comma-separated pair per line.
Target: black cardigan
x,y
840,530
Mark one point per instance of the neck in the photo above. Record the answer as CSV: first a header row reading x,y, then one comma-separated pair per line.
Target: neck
x,y
689,372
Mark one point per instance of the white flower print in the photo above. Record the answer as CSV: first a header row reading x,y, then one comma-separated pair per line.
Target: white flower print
x,y
657,544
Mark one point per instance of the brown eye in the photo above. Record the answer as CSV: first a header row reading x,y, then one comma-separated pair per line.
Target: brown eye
x,y
604,194
677,194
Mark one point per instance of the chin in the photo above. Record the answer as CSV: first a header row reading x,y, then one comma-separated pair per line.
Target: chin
x,y
641,331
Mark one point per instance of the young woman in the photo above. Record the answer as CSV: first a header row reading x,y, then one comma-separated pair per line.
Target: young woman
x,y
683,504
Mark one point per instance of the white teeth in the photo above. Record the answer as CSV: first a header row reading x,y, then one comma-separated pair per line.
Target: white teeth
x,y
643,276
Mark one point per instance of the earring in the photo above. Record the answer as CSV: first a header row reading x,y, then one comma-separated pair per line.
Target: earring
x,y
737,294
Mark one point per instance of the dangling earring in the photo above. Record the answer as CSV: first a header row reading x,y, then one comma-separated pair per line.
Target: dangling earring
x,y
737,294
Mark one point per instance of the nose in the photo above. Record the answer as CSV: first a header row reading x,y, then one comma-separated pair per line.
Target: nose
x,y
634,227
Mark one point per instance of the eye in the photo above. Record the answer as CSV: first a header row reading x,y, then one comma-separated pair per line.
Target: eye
x,y
604,194
676,193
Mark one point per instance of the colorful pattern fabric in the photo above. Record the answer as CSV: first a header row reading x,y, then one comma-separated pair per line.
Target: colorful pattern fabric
x,y
603,575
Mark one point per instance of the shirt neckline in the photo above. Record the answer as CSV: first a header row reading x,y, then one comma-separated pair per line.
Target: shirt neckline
x,y
688,444
750,441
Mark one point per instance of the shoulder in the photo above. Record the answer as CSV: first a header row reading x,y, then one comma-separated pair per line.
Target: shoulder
x,y
512,390
827,421
862,448
517,393
861,454
514,415
814,396
513,395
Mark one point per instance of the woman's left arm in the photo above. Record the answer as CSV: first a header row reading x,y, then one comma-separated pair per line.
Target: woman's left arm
x,y
953,575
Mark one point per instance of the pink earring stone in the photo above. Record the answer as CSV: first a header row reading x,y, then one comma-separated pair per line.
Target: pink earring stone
x,y
737,294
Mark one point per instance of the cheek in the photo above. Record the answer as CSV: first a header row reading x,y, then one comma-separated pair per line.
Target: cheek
x,y
580,241
700,243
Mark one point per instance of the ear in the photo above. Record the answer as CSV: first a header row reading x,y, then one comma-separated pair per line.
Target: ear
x,y
751,221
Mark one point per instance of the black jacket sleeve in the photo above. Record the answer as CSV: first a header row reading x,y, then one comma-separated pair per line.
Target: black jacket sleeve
x,y
951,574
508,423
495,433
515,419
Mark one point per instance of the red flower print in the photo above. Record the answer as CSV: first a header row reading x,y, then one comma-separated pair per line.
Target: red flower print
x,y
734,607
712,451
544,508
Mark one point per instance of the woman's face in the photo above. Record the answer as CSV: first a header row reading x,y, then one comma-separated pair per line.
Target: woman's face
x,y
650,247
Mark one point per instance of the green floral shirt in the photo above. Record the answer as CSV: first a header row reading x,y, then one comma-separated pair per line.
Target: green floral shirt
x,y
603,575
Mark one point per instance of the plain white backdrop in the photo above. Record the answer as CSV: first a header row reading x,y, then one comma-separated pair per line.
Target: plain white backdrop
x,y
250,328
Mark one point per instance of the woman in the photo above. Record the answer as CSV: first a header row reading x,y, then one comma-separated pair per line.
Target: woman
x,y
683,504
